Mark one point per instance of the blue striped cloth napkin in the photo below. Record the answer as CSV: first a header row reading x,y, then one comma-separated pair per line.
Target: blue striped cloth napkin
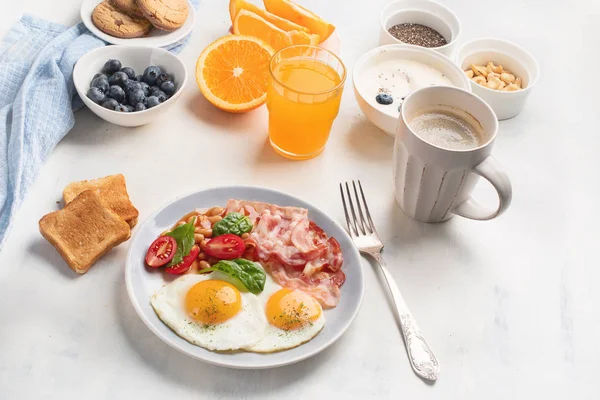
x,y
37,100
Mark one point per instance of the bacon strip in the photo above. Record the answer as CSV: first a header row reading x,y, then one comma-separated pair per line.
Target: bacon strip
x,y
296,251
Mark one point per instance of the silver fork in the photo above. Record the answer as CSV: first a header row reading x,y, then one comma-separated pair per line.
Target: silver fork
x,y
365,237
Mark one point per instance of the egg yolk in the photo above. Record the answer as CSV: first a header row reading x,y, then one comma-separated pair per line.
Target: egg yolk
x,y
213,302
289,309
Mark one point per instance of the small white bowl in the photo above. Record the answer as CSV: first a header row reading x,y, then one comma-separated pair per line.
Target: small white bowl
x,y
424,12
138,58
512,57
385,117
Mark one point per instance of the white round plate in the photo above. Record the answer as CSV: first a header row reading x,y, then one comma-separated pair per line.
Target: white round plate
x,y
142,284
156,37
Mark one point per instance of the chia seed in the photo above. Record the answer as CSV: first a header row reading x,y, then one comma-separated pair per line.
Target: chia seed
x,y
418,35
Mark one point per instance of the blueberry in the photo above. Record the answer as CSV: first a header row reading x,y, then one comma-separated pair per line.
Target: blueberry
x,y
145,88
136,97
129,108
118,78
140,107
151,75
121,108
162,96
164,77
168,87
100,75
96,95
101,84
111,66
139,78
115,92
129,72
384,98
151,101
132,86
110,104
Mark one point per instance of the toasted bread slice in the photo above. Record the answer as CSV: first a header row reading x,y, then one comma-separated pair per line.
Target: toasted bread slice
x,y
84,230
112,191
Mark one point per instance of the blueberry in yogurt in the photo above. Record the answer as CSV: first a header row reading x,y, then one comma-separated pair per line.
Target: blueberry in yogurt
x,y
384,98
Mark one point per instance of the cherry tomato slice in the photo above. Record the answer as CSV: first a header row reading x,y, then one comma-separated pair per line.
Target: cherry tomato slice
x,y
225,247
185,264
161,251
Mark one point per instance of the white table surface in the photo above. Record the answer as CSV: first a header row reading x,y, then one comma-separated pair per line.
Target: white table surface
x,y
509,306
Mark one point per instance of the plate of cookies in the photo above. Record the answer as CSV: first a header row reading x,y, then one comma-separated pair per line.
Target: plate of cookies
x,y
156,23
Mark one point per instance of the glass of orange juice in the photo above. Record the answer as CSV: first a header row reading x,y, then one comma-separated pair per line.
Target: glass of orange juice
x,y
303,98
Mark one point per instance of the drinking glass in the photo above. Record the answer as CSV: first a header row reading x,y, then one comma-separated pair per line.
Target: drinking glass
x,y
303,99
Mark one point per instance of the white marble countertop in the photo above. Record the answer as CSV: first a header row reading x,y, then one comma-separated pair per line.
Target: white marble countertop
x,y
509,306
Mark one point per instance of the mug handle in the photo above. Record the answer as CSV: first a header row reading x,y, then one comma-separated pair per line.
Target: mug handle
x,y
491,170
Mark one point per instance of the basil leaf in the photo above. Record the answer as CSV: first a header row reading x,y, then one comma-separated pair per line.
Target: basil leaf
x,y
249,275
235,223
184,236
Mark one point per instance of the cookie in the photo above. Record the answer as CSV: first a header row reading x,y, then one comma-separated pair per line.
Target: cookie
x,y
128,7
115,22
166,15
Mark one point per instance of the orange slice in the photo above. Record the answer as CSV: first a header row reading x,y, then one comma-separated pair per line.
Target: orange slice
x,y
236,5
301,16
248,23
233,72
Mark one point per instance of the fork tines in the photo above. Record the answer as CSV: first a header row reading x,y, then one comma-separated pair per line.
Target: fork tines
x,y
361,225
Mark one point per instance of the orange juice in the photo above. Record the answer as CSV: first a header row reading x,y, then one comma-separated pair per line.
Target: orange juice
x,y
303,98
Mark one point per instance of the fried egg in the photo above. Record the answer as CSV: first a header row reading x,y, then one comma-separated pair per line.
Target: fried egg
x,y
293,317
209,311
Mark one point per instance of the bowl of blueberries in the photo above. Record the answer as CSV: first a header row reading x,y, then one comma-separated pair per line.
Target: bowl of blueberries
x,y
129,85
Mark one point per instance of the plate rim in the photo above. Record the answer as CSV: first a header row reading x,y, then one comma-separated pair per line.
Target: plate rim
x,y
293,360
89,24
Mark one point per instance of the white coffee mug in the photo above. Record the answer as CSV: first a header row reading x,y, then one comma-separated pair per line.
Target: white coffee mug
x,y
432,183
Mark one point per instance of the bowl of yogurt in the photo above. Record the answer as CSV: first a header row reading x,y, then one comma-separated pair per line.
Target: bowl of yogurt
x,y
384,76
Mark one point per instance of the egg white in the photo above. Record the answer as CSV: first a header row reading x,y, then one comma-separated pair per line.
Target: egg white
x,y
276,339
243,330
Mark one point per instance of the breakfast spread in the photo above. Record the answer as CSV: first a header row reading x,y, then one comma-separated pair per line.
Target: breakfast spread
x,y
98,216
269,268
494,77
116,22
128,19
418,35
120,89
248,275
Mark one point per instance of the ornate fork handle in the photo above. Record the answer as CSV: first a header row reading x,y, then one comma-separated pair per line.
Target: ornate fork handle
x,y
422,359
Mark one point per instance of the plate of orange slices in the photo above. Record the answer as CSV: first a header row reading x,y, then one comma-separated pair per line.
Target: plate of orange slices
x,y
233,71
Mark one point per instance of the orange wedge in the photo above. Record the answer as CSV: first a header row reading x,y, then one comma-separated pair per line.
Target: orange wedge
x,y
236,5
249,23
301,16
233,72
